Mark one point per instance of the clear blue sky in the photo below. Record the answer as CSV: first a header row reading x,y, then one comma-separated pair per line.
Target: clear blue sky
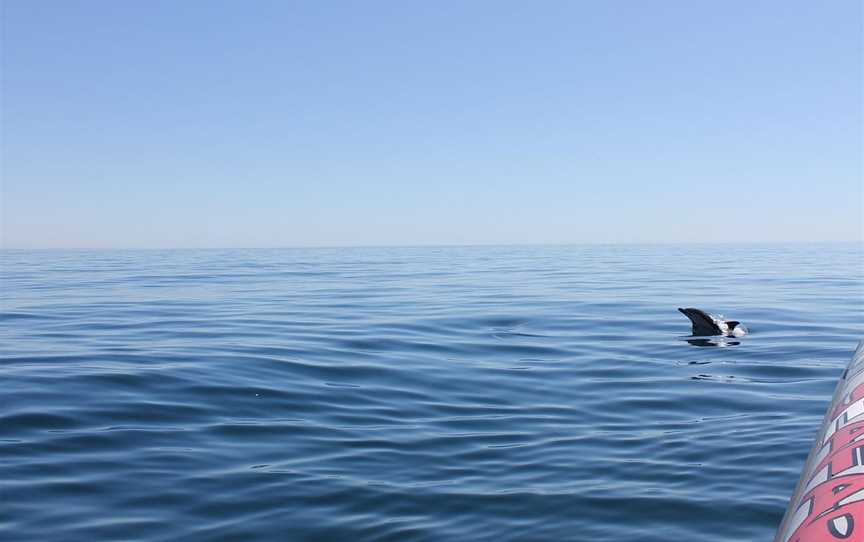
x,y
295,123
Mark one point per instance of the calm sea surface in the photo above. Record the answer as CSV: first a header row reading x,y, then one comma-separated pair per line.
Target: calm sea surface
x,y
430,394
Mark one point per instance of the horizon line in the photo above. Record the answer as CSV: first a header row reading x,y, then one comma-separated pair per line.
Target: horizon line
x,y
448,245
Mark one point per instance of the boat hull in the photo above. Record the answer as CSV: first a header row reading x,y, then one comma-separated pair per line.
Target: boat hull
x,y
828,504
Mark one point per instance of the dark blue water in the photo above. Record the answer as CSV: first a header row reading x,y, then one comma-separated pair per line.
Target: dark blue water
x,y
531,393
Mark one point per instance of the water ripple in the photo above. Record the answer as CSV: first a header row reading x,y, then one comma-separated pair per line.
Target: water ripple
x,y
520,393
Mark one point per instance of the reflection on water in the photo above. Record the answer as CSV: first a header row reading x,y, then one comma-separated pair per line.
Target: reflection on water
x,y
719,342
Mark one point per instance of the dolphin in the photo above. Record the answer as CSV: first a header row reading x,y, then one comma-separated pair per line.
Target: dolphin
x,y
705,324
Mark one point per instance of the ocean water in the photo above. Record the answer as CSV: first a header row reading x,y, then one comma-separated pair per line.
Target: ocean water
x,y
429,394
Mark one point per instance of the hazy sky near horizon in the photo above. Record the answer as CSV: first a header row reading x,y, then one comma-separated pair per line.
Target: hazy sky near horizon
x,y
310,123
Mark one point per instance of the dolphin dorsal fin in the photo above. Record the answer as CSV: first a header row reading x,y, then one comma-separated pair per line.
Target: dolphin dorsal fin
x,y
703,323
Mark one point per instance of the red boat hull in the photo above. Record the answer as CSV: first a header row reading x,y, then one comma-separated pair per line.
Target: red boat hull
x,y
828,504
